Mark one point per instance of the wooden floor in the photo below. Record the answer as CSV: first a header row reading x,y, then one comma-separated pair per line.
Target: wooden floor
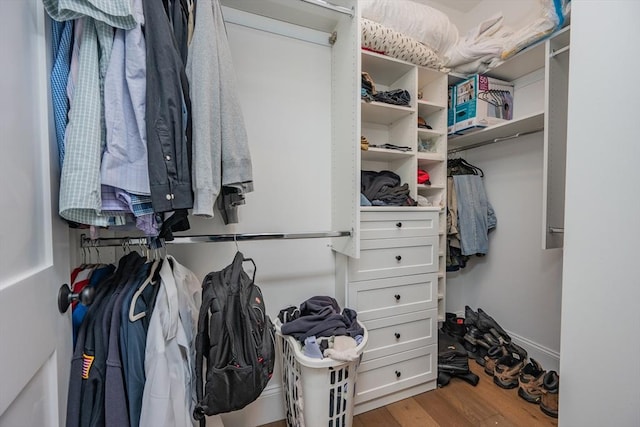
x,y
457,404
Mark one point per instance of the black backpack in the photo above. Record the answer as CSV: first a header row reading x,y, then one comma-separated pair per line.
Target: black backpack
x,y
237,339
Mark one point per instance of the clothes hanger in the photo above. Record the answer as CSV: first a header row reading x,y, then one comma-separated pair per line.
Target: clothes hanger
x,y
149,280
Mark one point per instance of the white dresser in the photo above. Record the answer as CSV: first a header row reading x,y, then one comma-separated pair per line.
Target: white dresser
x,y
393,287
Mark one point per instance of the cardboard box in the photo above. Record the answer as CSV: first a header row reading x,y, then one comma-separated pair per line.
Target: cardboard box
x,y
451,109
482,101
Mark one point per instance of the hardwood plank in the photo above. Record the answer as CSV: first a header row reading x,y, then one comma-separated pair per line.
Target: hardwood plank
x,y
441,410
409,413
379,417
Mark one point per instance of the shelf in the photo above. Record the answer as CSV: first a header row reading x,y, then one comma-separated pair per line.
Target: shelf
x,y
385,114
430,187
524,62
510,129
430,157
300,13
384,70
429,133
427,107
383,154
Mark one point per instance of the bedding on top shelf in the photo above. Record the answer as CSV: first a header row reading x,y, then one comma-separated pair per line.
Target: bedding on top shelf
x,y
425,36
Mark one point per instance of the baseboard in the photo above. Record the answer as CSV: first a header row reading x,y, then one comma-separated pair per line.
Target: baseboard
x,y
548,358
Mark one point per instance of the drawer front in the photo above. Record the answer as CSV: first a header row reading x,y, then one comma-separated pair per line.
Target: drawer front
x,y
391,335
392,374
394,257
387,225
373,299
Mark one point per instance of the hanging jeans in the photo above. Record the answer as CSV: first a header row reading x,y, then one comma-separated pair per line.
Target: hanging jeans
x,y
475,215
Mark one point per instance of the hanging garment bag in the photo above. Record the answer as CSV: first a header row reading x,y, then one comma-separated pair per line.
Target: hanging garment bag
x,y
236,337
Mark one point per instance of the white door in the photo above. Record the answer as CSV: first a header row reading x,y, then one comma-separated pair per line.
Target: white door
x,y
35,340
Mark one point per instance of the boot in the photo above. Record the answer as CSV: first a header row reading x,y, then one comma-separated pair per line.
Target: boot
x,y
549,398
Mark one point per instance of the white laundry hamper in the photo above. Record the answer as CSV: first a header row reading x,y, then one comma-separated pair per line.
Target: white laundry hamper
x,y
317,392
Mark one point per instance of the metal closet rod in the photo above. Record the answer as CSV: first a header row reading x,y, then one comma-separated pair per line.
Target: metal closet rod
x,y
86,242
491,141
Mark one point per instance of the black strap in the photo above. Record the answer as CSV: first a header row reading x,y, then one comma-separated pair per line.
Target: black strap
x,y
202,343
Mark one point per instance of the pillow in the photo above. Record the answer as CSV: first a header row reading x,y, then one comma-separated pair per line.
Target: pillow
x,y
378,38
418,21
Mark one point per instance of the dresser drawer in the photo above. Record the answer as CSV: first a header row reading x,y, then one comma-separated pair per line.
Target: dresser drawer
x,y
391,374
373,299
394,257
390,335
387,225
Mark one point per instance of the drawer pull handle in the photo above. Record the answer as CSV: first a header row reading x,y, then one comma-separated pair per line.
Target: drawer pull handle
x,y
399,224
397,297
397,335
398,258
398,373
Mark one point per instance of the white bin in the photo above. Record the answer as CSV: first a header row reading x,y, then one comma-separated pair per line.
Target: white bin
x,y
317,392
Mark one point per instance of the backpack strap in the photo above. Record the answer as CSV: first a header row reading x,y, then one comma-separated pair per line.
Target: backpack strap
x,y
202,343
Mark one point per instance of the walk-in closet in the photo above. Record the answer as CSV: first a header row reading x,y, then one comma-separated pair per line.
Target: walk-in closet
x,y
331,119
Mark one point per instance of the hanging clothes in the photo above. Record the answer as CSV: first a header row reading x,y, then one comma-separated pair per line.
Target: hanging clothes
x,y
80,178
222,162
169,362
470,216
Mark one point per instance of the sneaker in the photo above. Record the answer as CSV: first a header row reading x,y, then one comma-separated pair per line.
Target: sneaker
x,y
507,371
549,398
530,382
486,324
493,354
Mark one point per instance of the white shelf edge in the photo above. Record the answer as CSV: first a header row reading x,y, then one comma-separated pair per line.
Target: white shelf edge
x,y
434,157
431,104
383,154
430,187
423,131
510,129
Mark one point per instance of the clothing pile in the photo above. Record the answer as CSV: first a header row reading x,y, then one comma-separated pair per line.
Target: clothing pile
x,y
395,96
383,188
323,328
134,357
470,216
147,120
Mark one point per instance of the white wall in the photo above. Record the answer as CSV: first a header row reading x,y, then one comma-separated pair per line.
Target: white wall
x,y
517,283
600,342
284,86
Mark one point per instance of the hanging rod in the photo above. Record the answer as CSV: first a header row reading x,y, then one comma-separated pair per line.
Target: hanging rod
x,y
86,242
491,141
331,6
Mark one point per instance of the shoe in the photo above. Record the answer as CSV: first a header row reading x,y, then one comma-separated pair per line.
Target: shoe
x,y
470,316
517,351
530,382
493,354
454,326
507,371
486,324
549,398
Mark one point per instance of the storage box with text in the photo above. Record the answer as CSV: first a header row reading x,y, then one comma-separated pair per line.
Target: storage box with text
x,y
482,101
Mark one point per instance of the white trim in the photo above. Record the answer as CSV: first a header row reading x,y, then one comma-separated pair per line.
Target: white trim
x,y
548,358
267,408
250,20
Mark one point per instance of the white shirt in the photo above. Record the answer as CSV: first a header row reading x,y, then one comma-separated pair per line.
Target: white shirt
x,y
167,398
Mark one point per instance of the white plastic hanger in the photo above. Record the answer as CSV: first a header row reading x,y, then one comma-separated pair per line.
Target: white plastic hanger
x,y
149,280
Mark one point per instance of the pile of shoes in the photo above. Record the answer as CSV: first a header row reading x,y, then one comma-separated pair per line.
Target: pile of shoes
x,y
489,344
453,361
